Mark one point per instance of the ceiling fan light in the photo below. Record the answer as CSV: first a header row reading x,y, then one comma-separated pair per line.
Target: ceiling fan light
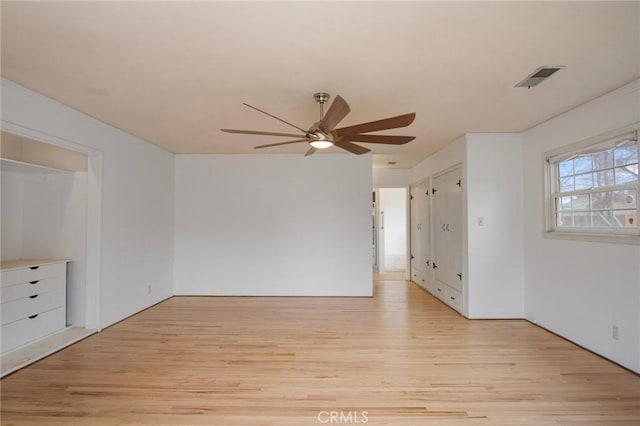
x,y
321,144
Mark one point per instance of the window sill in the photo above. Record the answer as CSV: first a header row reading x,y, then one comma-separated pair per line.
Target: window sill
x,y
596,238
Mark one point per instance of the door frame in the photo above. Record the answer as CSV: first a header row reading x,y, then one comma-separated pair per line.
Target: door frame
x,y
465,244
407,188
93,234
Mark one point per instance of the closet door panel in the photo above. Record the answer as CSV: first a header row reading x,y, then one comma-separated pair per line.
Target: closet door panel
x,y
425,240
414,234
454,245
440,255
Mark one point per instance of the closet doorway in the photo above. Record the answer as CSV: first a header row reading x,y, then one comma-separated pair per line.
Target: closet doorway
x,y
51,192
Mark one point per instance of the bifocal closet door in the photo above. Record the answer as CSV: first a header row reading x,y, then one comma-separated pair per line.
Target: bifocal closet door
x,y
423,212
454,229
440,256
447,230
415,227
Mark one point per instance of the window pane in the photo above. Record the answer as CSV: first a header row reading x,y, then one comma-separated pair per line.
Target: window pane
x,y
583,164
626,174
596,175
603,178
603,160
627,154
563,203
581,220
567,184
565,168
626,218
602,219
584,181
580,202
601,201
565,220
625,199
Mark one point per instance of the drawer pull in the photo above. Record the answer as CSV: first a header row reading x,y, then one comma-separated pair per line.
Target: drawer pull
x,y
34,282
33,316
453,298
439,289
33,268
33,297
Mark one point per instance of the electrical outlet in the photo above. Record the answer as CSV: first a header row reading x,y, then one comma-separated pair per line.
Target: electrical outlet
x,y
480,221
148,288
615,332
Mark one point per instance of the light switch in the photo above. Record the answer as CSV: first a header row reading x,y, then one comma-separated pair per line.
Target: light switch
x,y
480,221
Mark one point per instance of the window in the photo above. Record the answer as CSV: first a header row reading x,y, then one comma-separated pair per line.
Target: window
x,y
594,189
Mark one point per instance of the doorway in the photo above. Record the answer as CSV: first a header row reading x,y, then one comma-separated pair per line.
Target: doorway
x,y
52,203
390,242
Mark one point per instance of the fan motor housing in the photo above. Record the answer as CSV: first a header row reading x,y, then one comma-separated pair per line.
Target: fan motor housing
x,y
321,97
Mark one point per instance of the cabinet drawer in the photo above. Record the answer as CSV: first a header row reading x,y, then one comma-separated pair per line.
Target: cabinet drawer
x,y
431,288
440,291
33,273
454,299
422,277
457,284
29,306
19,291
26,330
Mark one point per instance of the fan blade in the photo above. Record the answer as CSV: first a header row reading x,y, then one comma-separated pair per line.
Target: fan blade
x,y
258,132
311,151
280,143
337,111
277,118
352,147
391,140
374,126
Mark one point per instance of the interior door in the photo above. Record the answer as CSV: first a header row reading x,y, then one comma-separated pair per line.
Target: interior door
x,y
440,255
454,229
423,211
415,228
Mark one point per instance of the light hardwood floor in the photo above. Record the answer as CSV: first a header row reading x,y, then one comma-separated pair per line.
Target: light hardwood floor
x,y
402,357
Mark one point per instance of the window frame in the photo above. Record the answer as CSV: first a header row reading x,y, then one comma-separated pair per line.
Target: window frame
x,y
552,158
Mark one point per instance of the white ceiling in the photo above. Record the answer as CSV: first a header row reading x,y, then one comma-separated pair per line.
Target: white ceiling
x,y
175,73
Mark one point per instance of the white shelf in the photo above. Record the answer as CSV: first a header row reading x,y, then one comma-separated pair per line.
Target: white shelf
x,y
28,168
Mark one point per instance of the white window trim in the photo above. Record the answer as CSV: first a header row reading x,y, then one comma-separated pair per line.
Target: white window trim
x,y
619,236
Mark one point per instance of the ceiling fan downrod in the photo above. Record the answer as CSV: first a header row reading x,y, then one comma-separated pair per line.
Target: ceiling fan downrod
x,y
321,98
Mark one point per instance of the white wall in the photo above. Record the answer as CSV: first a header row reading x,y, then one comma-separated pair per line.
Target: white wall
x,y
496,252
11,215
273,225
391,177
449,156
574,288
137,198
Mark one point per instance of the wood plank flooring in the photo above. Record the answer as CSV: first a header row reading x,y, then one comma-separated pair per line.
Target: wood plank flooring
x,y
399,358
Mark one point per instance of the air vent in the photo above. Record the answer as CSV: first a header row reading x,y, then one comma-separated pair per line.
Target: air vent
x,y
538,76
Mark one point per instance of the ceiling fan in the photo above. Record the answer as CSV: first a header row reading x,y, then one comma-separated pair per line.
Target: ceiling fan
x,y
323,133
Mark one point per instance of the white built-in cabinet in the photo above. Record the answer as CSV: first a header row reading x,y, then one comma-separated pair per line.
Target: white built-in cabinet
x,y
44,205
33,298
420,234
436,236
447,232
